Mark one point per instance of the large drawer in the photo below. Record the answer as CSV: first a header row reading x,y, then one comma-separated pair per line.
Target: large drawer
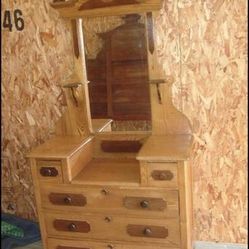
x,y
71,244
129,201
119,228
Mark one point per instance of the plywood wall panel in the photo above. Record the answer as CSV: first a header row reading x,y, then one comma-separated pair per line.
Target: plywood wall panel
x,y
34,62
210,88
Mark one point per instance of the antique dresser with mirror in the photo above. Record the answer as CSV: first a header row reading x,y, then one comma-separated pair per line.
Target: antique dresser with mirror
x,y
116,174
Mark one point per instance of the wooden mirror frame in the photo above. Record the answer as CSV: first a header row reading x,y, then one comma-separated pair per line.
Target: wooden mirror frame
x,y
166,119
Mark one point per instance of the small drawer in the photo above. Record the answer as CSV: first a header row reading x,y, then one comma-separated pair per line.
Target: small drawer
x,y
49,171
112,227
162,175
78,244
130,201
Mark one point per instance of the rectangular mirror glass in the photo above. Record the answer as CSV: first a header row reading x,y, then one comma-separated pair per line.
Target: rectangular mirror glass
x,y
117,69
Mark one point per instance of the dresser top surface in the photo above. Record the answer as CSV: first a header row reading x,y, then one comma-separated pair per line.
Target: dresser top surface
x,y
166,148
59,147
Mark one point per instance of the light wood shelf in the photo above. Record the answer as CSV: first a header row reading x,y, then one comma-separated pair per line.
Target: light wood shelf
x,y
110,171
166,148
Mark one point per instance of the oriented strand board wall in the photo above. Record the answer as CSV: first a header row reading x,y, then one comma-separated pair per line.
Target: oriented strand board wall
x,y
34,62
203,44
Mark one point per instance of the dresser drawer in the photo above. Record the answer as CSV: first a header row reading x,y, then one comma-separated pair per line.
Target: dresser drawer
x,y
162,174
137,202
108,227
49,170
71,244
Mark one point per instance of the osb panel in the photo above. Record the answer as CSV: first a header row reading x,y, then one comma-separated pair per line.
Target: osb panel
x,y
203,44
34,62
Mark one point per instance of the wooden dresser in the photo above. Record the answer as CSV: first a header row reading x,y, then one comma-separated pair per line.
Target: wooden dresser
x,y
101,189
91,196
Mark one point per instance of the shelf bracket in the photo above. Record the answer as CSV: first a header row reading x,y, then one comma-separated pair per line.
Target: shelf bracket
x,y
157,83
72,87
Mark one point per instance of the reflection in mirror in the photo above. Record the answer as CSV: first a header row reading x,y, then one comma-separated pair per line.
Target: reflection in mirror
x,y
117,69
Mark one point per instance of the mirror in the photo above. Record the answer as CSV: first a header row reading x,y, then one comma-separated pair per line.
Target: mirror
x,y
117,69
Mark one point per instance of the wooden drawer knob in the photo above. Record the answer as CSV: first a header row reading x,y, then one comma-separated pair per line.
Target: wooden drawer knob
x,y
67,200
72,227
48,171
108,219
162,175
110,246
104,192
144,204
147,232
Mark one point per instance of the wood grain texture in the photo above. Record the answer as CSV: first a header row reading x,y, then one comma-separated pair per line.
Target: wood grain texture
x,y
53,243
57,4
77,118
73,226
148,169
75,39
38,200
145,203
32,99
59,147
95,8
79,160
111,199
123,172
166,148
116,229
70,247
67,199
166,118
95,4
147,231
206,54
210,87
56,165
186,205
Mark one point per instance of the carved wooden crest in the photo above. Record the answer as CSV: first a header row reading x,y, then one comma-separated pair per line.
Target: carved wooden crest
x,y
82,8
